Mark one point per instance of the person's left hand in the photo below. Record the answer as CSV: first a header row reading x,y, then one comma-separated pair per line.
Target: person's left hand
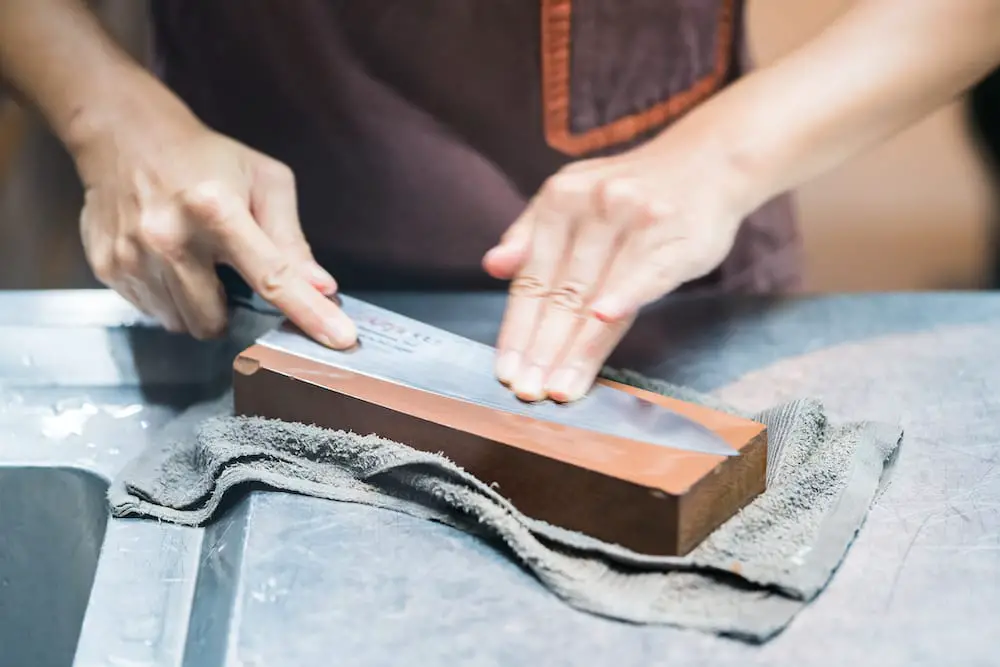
x,y
603,238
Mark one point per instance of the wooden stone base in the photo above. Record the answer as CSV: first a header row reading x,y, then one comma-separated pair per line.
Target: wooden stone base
x,y
647,498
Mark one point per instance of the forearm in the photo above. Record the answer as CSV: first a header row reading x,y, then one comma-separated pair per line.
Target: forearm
x,y
57,57
881,67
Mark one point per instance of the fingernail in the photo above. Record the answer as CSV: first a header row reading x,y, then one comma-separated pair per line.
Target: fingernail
x,y
529,386
507,366
608,309
339,334
581,385
562,384
318,274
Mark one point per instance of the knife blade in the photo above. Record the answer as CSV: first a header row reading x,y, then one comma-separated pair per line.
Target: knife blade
x,y
399,349
402,350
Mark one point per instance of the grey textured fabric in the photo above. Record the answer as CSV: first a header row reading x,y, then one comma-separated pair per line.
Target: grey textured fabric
x,y
747,580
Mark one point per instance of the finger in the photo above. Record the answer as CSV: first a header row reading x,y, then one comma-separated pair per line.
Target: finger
x,y
149,283
551,226
274,204
127,288
155,298
135,276
116,259
156,240
650,277
270,272
173,316
585,357
595,243
199,297
505,259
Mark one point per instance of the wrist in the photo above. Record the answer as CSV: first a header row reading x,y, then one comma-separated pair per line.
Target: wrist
x,y
714,146
135,107
751,154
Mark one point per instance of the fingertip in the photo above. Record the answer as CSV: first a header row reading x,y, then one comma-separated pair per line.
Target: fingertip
x,y
507,366
341,329
502,261
348,334
321,279
337,335
611,309
561,384
327,290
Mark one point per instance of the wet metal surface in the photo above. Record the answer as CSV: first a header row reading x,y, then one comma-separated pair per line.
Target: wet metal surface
x,y
281,580
52,523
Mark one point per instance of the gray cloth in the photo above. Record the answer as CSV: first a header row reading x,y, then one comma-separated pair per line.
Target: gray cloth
x,y
746,580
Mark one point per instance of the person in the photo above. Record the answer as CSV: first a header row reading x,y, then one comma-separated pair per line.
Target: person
x,y
592,156
984,119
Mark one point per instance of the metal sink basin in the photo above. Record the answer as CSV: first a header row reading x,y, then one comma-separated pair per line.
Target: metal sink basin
x,y
52,526
84,383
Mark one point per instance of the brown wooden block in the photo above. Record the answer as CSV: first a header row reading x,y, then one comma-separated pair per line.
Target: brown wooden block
x,y
646,497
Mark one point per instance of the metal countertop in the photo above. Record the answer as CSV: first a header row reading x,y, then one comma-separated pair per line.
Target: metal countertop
x,y
285,580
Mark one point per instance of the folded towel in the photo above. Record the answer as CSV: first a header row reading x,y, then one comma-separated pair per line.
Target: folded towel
x,y
747,580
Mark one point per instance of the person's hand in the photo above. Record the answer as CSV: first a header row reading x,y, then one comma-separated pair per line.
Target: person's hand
x,y
601,239
167,202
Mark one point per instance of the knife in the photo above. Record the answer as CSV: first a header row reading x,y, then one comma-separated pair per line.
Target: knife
x,y
404,351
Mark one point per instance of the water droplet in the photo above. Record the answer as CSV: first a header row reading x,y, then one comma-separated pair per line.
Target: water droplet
x,y
68,418
124,411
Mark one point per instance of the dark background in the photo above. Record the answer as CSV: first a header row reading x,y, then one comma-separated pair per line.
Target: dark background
x,y
920,212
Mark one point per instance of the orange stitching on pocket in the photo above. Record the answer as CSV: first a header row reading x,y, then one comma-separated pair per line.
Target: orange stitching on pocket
x,y
556,37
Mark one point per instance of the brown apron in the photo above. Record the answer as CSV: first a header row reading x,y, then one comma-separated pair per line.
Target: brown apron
x,y
418,129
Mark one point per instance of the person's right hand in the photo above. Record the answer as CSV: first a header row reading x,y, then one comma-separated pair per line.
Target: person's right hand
x,y
168,201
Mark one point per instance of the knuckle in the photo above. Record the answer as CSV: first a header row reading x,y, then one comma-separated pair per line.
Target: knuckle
x,y
173,325
275,282
646,217
209,329
656,211
206,200
568,295
661,208
563,187
649,214
162,236
619,192
104,269
127,256
277,172
527,286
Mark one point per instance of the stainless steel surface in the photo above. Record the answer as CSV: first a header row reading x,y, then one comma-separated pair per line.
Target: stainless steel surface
x,y
401,350
52,523
281,580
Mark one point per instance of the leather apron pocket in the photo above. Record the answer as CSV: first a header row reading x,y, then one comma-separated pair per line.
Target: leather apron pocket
x,y
615,70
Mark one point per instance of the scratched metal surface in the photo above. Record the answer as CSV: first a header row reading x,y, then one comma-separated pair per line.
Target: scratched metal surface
x,y
284,580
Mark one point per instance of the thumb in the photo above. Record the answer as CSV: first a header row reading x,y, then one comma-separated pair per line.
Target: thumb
x,y
505,259
274,205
